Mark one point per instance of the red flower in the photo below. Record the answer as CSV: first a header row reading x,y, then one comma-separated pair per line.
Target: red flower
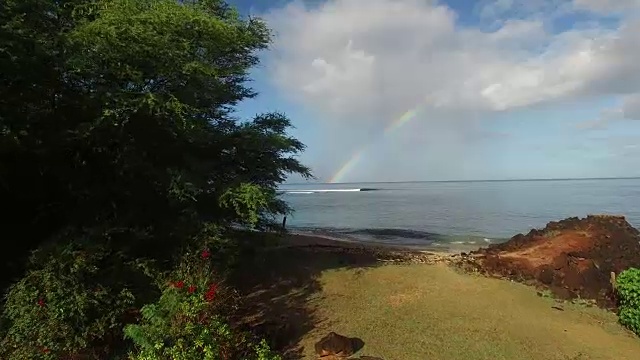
x,y
191,289
205,254
178,284
41,302
211,293
46,350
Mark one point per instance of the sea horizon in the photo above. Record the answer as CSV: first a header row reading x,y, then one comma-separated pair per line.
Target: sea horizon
x,y
460,181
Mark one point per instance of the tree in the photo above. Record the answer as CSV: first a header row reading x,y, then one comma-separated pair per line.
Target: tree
x,y
116,118
118,146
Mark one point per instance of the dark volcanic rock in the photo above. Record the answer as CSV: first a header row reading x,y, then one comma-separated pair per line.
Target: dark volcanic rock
x,y
573,257
336,346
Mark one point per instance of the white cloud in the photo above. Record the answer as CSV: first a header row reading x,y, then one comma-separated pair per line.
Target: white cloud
x,y
361,63
399,52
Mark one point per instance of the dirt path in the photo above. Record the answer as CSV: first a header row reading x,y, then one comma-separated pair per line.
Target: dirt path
x,y
434,312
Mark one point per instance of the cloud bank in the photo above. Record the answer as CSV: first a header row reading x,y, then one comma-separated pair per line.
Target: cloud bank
x,y
360,64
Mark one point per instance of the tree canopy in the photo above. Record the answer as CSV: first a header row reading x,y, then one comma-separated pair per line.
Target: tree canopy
x,y
116,118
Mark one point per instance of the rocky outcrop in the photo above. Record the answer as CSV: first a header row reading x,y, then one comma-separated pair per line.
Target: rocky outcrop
x,y
572,258
335,346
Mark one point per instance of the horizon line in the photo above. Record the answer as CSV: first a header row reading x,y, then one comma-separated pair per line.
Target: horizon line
x,y
459,181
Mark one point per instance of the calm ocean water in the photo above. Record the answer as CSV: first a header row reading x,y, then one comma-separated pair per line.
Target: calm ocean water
x,y
434,213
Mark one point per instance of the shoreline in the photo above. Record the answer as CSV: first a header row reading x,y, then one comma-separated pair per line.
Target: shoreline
x,y
302,239
312,284
571,258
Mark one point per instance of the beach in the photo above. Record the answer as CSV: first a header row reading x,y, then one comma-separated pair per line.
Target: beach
x,y
408,303
298,239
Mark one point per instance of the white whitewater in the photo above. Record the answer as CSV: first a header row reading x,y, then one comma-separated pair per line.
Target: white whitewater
x,y
305,191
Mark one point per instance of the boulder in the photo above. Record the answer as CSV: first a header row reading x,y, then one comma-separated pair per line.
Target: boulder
x,y
337,346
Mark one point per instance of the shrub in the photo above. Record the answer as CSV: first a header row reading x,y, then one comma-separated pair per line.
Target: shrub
x,y
72,302
628,289
191,319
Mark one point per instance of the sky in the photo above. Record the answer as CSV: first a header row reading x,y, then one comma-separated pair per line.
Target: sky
x,y
419,90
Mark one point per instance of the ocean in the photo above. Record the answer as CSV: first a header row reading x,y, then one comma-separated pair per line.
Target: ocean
x,y
465,213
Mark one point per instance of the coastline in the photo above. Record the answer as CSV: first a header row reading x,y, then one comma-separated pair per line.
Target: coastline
x,y
301,239
571,258
303,286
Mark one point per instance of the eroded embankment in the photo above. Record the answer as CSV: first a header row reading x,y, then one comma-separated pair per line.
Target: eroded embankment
x,y
572,258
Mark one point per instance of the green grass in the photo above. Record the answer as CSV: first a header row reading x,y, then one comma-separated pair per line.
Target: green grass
x,y
417,312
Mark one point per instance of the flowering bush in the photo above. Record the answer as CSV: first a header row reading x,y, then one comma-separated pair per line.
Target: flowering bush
x,y
189,320
72,302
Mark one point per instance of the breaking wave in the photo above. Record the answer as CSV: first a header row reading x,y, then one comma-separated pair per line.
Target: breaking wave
x,y
315,191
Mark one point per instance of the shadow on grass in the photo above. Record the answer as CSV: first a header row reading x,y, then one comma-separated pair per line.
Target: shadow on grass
x,y
276,284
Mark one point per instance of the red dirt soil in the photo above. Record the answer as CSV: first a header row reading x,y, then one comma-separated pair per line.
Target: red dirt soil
x,y
572,258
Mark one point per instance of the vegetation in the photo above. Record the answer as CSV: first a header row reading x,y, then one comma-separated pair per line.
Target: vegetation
x,y
71,301
187,322
628,289
119,153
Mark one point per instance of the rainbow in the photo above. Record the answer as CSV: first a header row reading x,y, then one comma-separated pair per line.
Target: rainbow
x,y
355,158
347,166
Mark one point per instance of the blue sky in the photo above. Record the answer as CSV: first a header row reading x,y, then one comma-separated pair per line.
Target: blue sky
x,y
505,89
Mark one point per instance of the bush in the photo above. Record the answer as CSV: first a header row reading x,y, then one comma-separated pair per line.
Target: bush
x,y
84,301
73,302
191,319
628,289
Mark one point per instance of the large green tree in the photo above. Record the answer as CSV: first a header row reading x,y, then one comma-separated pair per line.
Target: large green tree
x,y
116,117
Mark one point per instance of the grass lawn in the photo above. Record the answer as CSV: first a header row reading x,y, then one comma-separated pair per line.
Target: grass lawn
x,y
416,312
